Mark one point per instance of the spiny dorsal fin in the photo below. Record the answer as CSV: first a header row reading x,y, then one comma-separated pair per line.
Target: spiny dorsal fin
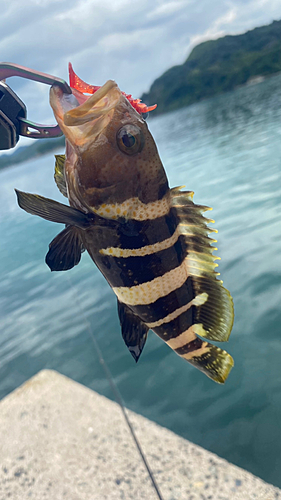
x,y
59,174
216,314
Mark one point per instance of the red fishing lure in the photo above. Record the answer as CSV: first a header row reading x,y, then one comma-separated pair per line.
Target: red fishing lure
x,y
76,83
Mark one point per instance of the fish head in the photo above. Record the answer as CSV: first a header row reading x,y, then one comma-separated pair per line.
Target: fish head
x,y
110,154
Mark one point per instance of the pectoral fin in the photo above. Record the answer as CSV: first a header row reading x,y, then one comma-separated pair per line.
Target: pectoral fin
x,y
65,250
134,331
52,210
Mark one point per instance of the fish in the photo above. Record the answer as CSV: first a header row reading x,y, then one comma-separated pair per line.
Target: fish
x,y
151,242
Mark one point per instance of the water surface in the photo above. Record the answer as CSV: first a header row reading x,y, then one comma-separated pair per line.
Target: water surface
x,y
228,151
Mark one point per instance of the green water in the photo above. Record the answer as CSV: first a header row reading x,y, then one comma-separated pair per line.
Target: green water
x,y
227,150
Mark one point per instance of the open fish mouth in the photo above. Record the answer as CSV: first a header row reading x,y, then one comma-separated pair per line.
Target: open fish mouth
x,y
81,116
99,104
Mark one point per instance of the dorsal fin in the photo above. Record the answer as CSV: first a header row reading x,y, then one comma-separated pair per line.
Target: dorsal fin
x,y
216,314
59,174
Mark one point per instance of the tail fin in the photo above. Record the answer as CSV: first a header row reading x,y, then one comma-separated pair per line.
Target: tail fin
x,y
210,359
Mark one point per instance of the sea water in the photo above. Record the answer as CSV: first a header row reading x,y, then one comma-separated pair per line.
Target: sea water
x,y
228,151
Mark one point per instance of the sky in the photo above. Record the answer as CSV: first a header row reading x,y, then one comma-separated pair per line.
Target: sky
x,y
131,42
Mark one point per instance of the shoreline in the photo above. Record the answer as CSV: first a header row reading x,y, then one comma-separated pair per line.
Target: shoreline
x,y
61,440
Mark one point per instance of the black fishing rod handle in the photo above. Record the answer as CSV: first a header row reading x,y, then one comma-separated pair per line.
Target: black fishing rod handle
x,y
11,109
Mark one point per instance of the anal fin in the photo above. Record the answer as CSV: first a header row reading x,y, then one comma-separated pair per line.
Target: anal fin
x,y
65,250
134,331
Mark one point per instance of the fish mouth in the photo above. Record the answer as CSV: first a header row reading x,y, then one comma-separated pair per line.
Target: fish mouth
x,y
80,116
100,103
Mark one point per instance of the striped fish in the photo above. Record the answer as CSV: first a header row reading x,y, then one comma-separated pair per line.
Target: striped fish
x,y
150,242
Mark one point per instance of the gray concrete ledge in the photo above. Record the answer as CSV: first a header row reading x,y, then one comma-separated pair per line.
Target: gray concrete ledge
x,y
60,440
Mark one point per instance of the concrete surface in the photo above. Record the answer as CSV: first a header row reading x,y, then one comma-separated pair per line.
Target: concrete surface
x,y
60,440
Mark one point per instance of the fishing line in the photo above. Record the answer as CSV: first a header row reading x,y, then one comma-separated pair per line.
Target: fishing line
x,y
116,392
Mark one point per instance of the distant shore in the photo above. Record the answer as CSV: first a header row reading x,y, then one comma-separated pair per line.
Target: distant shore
x,y
38,147
218,66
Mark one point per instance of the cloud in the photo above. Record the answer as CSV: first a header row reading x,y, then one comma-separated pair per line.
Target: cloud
x,y
218,28
239,16
131,42
166,9
139,39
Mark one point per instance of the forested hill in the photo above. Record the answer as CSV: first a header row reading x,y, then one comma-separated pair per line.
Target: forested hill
x,y
37,148
217,66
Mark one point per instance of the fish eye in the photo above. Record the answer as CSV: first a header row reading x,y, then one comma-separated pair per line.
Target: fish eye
x,y
130,139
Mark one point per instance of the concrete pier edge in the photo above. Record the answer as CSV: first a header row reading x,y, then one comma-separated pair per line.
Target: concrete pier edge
x,y
61,440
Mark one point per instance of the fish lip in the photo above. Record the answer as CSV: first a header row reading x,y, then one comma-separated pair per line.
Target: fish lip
x,y
82,118
95,106
61,102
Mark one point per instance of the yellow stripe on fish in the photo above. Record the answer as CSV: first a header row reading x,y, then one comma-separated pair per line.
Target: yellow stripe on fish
x,y
135,209
149,292
142,251
205,347
199,300
185,337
